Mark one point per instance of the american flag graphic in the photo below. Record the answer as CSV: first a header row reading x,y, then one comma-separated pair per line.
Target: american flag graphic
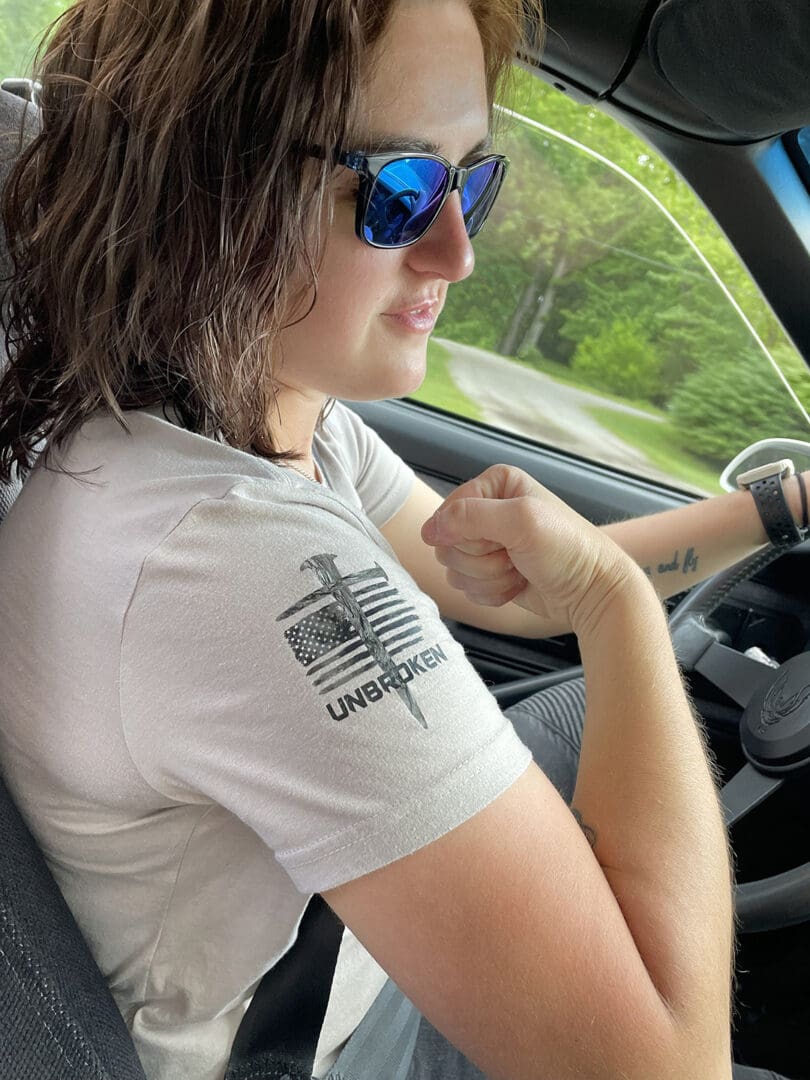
x,y
360,622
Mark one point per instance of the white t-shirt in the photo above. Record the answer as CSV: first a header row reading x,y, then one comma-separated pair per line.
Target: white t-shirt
x,y
220,694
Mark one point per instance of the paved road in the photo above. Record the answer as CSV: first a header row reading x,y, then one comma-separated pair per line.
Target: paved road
x,y
516,398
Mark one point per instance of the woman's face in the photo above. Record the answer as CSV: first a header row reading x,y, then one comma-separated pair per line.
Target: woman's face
x,y
362,341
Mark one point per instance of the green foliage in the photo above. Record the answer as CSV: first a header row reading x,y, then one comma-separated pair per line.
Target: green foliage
x,y
532,356
727,405
439,388
22,23
594,129
796,372
621,359
478,313
596,276
661,445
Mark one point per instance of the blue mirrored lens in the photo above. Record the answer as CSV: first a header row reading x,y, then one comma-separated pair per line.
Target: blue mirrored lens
x,y
405,199
479,194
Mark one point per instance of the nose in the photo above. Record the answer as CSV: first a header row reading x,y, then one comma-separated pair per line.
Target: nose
x,y
445,249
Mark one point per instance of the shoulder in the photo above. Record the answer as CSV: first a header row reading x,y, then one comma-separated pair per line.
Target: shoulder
x,y
359,462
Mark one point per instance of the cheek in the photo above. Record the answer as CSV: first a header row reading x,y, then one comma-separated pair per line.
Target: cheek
x,y
354,285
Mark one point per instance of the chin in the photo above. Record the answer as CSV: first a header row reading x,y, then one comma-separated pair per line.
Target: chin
x,y
397,383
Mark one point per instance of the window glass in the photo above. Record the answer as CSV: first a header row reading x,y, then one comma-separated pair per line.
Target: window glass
x,y
608,316
22,23
804,142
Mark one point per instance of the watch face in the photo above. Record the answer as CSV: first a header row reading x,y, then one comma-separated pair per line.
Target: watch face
x,y
782,468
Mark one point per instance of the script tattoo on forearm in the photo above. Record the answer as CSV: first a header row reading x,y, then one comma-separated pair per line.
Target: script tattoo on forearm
x,y
590,833
687,565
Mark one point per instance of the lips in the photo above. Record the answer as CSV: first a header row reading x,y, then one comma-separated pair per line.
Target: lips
x,y
417,317
423,305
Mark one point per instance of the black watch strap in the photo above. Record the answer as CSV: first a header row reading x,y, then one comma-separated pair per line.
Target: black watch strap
x,y
774,511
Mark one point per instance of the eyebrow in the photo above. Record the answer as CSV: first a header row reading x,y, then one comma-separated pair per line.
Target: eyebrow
x,y
390,144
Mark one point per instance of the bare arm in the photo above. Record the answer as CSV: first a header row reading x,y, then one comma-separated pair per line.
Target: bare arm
x,y
676,549
535,954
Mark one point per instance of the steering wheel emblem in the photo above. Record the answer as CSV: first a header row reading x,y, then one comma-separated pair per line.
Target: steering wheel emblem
x,y
778,705
775,727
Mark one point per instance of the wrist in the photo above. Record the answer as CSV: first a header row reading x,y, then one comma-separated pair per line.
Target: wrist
x,y
629,596
779,499
796,497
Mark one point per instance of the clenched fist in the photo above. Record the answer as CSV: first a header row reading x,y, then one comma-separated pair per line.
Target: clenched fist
x,y
502,536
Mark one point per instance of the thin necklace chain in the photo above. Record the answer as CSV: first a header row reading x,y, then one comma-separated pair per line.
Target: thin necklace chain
x,y
306,475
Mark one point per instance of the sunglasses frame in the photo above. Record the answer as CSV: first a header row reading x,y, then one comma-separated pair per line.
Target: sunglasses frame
x,y
369,166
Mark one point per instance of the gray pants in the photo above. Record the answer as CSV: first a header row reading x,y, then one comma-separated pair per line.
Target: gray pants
x,y
550,724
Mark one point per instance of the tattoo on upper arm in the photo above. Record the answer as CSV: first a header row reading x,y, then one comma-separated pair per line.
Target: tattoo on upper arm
x,y
590,832
688,565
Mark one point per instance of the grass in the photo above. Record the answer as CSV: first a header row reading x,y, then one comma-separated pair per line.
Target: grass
x,y
658,441
440,390
564,374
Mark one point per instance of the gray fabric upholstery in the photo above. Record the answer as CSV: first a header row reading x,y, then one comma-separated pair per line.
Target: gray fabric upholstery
x,y
550,723
58,1020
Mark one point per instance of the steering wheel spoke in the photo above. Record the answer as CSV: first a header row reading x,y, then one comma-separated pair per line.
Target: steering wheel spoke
x,y
774,730
746,790
736,674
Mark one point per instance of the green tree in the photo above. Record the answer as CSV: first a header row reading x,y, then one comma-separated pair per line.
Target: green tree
x,y
620,359
22,24
559,214
537,100
727,405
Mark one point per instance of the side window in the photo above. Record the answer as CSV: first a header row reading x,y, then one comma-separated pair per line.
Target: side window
x,y
22,23
608,316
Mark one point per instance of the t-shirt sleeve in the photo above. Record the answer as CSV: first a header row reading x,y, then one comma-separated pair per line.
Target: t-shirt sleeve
x,y
382,480
277,661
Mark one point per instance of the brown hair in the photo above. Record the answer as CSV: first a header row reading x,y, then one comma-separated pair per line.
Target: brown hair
x,y
157,221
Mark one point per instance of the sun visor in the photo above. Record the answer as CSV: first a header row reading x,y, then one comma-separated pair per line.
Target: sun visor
x,y
745,64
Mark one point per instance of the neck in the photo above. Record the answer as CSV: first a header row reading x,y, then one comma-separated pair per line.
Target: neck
x,y
295,417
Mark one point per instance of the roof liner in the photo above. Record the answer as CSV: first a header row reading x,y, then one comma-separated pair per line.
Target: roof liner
x,y
744,64
724,70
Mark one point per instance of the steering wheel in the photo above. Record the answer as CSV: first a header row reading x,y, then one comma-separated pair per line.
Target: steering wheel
x,y
774,729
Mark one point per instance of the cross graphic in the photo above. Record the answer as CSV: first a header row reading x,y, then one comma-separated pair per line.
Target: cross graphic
x,y
336,586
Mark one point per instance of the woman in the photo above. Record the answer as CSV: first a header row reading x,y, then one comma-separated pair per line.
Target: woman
x,y
256,702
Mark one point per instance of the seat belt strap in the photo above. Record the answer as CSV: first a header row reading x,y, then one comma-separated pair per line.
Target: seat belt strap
x,y
279,1033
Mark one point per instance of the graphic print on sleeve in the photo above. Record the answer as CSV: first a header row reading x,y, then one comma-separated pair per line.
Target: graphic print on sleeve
x,y
362,623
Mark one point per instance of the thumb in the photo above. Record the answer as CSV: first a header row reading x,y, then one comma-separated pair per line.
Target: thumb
x,y
495,484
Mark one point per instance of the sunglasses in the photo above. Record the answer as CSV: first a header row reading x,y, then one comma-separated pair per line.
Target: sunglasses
x,y
401,195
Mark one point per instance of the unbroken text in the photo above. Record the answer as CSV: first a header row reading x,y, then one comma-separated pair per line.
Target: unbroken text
x,y
375,689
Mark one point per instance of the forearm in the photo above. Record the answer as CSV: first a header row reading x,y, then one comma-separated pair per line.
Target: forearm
x,y
645,788
678,548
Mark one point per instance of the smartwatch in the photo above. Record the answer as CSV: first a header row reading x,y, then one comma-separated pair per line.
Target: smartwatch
x,y
765,484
